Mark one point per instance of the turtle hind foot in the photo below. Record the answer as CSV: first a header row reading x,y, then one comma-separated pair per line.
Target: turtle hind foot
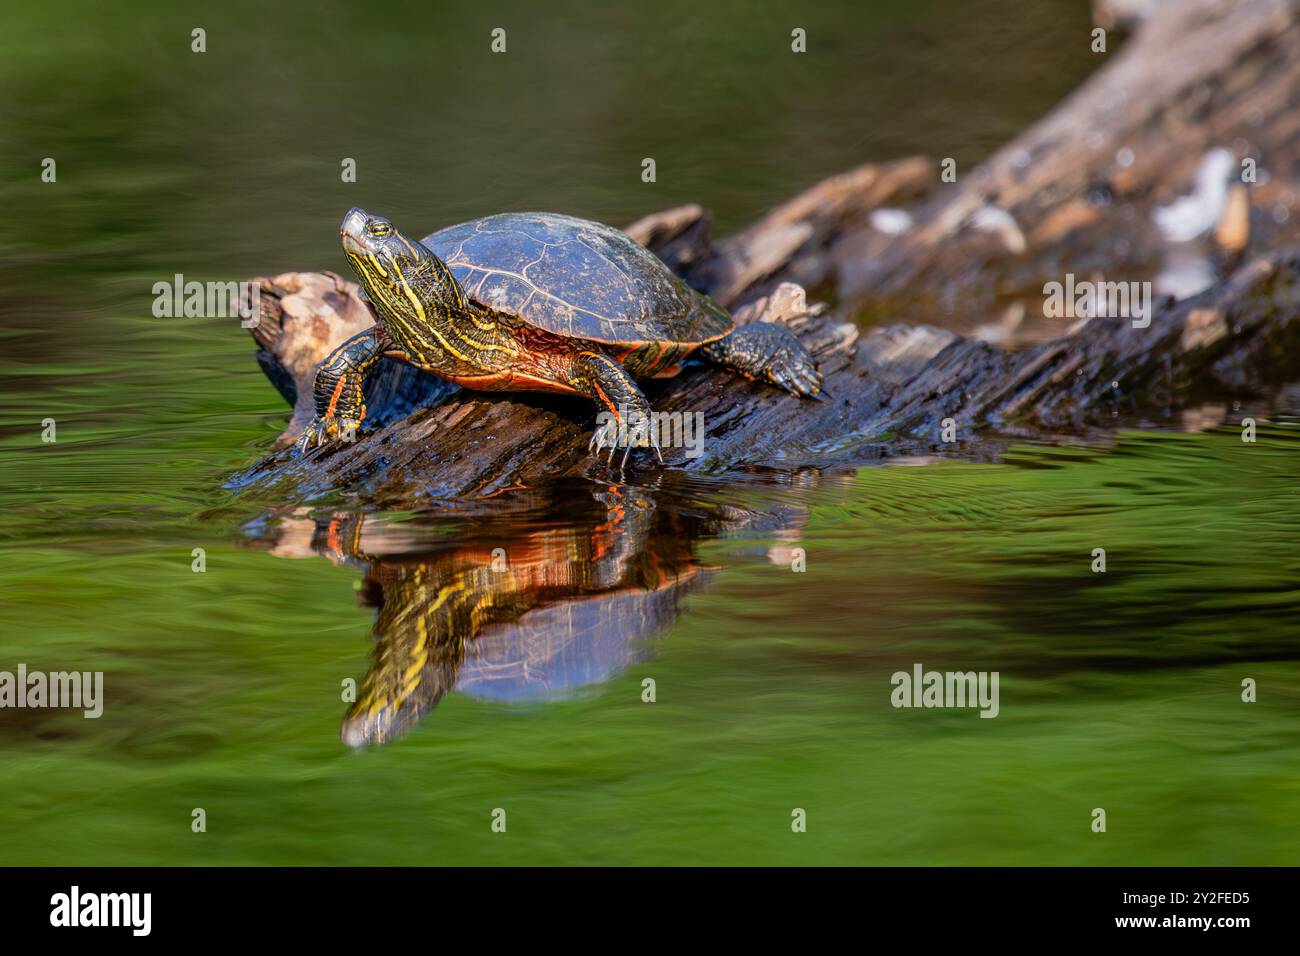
x,y
770,353
607,438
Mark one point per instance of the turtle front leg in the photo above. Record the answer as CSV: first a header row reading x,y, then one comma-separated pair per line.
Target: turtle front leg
x,y
770,353
613,390
339,388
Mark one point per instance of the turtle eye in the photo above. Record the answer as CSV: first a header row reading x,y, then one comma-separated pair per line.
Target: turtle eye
x,y
380,229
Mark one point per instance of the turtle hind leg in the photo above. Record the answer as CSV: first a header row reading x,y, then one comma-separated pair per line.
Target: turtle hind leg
x,y
770,353
608,384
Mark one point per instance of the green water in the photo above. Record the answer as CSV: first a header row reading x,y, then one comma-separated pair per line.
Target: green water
x,y
1119,690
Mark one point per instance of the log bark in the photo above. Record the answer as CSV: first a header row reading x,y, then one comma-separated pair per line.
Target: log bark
x,y
1078,193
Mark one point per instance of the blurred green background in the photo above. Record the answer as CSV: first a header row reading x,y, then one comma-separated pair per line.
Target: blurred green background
x,y
1118,691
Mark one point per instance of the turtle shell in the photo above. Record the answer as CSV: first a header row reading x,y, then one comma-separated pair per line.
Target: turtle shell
x,y
576,278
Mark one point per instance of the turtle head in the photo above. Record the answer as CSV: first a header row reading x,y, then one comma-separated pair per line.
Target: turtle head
x,y
401,277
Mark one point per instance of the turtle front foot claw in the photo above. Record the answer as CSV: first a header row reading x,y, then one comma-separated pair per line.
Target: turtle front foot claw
x,y
327,431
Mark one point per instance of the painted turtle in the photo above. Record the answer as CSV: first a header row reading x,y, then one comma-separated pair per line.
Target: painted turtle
x,y
536,302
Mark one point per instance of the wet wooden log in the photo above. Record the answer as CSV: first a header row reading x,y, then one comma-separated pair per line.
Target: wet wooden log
x,y
1076,193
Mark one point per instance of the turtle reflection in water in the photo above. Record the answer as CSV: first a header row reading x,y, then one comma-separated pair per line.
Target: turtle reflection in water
x,y
516,607
616,586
